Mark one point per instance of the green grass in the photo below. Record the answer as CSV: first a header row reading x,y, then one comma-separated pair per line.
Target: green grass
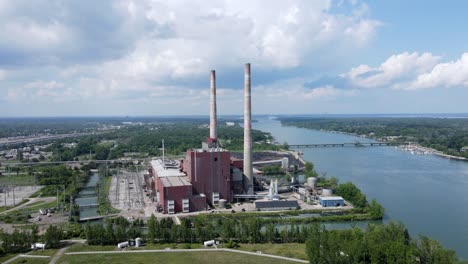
x,y
104,204
179,257
290,250
78,247
31,261
45,252
7,257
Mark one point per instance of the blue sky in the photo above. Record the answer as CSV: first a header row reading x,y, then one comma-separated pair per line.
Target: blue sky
x,y
152,57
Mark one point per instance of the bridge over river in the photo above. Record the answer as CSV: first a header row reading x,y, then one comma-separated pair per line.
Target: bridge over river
x,y
353,144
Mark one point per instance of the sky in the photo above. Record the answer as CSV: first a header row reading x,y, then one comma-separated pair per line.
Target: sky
x,y
153,58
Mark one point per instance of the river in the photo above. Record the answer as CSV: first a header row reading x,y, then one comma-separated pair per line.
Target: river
x,y
426,192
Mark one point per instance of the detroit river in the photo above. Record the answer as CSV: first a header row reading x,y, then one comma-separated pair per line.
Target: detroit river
x,y
429,194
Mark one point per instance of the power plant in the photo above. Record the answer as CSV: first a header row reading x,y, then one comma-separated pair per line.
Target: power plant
x,y
208,176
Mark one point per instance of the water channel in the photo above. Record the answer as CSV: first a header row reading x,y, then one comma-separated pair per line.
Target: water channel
x,y
426,192
87,198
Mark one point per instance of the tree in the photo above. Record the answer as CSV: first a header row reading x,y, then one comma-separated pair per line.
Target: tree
x,y
309,170
152,228
52,236
431,252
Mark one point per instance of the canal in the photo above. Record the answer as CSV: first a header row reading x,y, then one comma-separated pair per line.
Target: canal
x,y
87,198
425,192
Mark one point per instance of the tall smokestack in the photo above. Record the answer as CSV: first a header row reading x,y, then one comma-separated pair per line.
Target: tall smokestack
x,y
248,171
213,118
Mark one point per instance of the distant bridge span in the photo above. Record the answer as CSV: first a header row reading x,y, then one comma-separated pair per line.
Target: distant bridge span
x,y
354,144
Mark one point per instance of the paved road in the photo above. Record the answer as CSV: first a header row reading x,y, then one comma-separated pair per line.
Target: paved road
x,y
58,255
186,250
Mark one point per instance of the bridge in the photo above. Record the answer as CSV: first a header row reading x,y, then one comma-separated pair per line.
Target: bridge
x,y
88,205
354,144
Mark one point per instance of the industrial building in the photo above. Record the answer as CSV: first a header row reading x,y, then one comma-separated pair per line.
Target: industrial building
x,y
208,174
331,201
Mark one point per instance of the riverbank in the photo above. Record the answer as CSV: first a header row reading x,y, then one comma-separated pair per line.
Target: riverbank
x,y
418,149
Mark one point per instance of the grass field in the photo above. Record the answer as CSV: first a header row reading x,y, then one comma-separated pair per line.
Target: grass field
x,y
31,261
179,257
290,250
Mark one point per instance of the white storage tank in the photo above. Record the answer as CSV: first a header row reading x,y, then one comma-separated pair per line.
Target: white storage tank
x,y
327,192
38,246
222,203
209,243
312,182
138,242
123,244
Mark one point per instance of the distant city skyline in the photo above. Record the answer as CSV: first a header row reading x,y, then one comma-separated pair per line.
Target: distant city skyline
x,y
153,58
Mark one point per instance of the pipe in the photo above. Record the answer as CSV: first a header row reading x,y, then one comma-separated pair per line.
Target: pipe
x,y
213,117
248,170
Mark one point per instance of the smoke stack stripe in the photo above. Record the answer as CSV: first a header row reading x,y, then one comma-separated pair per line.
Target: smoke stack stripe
x,y
248,170
213,117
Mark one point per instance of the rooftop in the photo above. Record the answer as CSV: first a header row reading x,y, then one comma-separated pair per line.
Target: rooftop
x,y
210,150
170,168
331,198
175,181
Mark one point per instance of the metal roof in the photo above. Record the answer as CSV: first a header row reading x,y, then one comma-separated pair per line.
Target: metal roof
x,y
170,170
175,181
275,204
331,198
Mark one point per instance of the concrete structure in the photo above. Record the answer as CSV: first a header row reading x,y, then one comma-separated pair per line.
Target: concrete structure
x,y
275,205
213,116
248,169
327,192
331,201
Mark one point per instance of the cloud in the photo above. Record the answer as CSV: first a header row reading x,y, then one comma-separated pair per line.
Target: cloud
x,y
449,74
3,75
396,69
135,50
404,71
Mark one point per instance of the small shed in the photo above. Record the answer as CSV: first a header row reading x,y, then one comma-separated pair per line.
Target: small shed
x,y
331,201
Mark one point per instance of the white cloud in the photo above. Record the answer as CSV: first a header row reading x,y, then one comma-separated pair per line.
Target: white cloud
x,y
395,70
3,75
136,50
449,74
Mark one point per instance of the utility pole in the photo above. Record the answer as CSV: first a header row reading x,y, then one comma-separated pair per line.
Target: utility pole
x,y
14,204
4,195
57,199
